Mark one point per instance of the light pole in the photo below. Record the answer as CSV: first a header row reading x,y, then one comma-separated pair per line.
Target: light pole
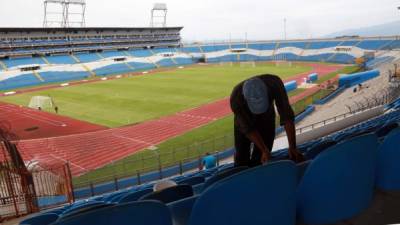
x,y
284,27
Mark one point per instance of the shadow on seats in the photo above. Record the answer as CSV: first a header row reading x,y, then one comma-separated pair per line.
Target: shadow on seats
x,y
339,183
257,196
170,194
138,213
388,170
43,219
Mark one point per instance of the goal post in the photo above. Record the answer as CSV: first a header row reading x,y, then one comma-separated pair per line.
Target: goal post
x,y
248,64
41,102
226,63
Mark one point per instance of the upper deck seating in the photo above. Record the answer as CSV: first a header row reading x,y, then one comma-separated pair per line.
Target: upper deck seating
x,y
15,62
87,57
140,53
262,46
373,44
301,45
108,54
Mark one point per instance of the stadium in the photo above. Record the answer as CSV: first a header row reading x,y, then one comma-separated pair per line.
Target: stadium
x,y
92,119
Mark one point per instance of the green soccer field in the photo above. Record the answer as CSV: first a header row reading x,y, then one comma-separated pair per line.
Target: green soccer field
x,y
131,100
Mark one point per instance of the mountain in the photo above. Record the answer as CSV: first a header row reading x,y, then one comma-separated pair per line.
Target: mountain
x,y
386,29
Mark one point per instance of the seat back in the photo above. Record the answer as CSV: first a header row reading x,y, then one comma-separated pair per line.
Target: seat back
x,y
260,195
81,208
134,196
170,194
138,213
316,149
192,180
388,170
41,219
339,182
223,174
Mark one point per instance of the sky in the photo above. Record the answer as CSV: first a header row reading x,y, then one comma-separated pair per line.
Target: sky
x,y
223,19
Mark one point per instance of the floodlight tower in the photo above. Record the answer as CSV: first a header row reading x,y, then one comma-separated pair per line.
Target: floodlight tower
x,y
58,13
75,13
54,13
159,15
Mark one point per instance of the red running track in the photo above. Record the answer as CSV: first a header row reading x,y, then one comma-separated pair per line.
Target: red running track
x,y
27,123
92,150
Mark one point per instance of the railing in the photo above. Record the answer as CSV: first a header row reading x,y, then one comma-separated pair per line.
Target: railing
x,y
329,120
154,159
381,98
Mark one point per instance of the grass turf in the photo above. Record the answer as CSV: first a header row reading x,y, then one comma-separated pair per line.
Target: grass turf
x,y
212,137
131,100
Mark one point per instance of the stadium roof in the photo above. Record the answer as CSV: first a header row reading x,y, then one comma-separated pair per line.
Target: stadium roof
x,y
72,29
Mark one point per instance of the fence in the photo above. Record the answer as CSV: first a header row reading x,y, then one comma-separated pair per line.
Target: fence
x,y
24,191
160,160
154,160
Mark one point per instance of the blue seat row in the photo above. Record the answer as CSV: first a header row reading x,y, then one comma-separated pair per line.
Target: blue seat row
x,y
334,185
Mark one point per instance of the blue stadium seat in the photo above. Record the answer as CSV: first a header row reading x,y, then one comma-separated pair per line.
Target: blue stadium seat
x,y
181,210
41,219
63,76
263,46
117,68
223,174
14,62
184,61
339,183
166,62
60,59
163,50
170,194
261,195
142,66
190,49
192,180
85,207
19,82
388,170
373,44
138,213
107,54
301,45
87,57
140,53
134,195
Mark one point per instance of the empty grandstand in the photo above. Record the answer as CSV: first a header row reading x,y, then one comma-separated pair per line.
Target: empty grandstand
x,y
89,52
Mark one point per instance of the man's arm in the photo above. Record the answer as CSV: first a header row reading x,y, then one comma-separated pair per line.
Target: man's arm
x,y
287,120
294,154
256,138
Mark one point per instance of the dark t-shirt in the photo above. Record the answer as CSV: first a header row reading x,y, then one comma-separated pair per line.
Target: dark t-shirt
x,y
248,122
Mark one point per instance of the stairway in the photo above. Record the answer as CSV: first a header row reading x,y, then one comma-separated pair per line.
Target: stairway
x,y
304,49
334,55
276,48
4,66
45,60
75,58
37,75
99,55
92,74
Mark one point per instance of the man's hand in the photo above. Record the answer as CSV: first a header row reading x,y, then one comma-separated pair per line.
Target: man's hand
x,y
295,155
265,157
